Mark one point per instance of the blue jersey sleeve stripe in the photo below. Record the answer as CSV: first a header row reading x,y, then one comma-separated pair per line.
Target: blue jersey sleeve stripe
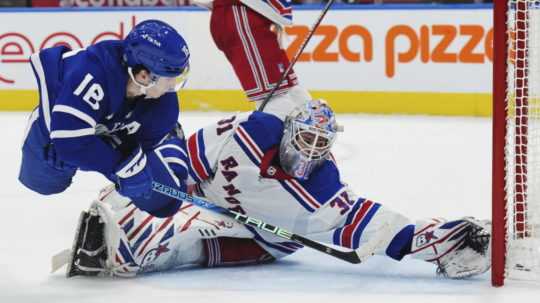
x,y
173,165
75,112
202,150
297,197
174,160
59,134
339,231
33,117
249,142
322,184
43,91
338,234
198,169
304,193
354,211
357,233
349,235
175,147
246,150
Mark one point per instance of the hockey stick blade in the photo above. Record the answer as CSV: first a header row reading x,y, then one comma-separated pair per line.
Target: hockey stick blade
x,y
354,256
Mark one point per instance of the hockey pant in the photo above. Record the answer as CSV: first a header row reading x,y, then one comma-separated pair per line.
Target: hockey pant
x,y
253,50
40,171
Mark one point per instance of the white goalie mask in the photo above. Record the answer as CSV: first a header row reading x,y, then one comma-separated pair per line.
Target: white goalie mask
x,y
309,133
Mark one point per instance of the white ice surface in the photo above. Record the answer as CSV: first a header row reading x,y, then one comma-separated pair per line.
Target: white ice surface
x,y
420,166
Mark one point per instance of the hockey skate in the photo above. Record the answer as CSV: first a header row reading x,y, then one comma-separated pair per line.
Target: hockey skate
x,y
89,252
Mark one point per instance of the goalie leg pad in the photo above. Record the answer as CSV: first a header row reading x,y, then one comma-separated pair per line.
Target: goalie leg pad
x,y
89,253
138,242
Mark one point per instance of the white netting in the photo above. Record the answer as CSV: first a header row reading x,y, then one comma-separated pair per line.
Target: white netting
x,y
523,141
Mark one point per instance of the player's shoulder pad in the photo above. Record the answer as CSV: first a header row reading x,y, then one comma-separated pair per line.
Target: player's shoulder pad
x,y
264,129
324,182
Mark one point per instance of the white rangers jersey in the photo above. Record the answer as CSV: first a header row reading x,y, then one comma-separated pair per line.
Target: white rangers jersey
x,y
236,163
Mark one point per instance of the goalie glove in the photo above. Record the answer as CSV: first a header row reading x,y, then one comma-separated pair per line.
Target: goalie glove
x,y
460,248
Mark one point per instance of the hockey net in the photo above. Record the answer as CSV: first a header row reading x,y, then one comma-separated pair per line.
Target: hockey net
x,y
516,141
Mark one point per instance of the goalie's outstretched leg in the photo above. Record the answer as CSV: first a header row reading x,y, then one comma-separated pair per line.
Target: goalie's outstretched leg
x,y
114,238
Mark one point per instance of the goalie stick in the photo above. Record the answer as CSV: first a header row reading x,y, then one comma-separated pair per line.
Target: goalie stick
x,y
296,56
354,256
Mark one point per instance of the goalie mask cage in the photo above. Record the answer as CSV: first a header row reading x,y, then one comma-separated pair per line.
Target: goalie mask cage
x,y
516,141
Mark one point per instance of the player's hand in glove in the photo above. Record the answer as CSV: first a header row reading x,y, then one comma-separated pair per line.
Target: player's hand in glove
x,y
133,176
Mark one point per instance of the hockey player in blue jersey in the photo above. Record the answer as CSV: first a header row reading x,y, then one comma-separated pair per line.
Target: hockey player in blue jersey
x,y
282,173
103,108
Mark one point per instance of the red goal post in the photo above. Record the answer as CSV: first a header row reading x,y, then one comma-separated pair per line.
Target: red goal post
x,y
516,141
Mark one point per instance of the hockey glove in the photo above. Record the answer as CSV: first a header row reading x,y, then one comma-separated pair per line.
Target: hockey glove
x,y
133,176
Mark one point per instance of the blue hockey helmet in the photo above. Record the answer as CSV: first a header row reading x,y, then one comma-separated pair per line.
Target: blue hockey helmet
x,y
158,47
309,133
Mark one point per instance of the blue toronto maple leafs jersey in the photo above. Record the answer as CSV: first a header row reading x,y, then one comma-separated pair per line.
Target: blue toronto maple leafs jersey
x,y
83,109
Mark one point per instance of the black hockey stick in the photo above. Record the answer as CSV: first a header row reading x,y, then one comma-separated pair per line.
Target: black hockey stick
x,y
296,56
354,256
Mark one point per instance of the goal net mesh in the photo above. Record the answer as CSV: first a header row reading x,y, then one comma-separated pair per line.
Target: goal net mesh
x,y
522,148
